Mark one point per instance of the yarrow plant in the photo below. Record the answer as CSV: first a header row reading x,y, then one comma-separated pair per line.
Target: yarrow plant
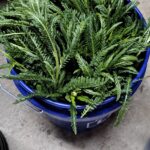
x,y
78,51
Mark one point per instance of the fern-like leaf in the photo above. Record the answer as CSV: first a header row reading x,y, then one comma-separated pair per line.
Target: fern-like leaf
x,y
125,104
118,86
73,114
83,64
84,83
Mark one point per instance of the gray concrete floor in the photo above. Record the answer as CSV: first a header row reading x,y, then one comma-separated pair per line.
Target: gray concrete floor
x,y
25,129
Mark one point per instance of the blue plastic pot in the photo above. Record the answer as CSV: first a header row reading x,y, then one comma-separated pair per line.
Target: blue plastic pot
x,y
58,112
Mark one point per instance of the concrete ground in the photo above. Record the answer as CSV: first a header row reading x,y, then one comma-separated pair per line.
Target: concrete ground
x,y
25,129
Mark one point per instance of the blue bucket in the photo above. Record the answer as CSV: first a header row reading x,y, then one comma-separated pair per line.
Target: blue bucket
x,y
58,112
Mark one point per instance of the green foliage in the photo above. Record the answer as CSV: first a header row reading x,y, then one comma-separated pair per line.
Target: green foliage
x,y
79,51
125,104
73,114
